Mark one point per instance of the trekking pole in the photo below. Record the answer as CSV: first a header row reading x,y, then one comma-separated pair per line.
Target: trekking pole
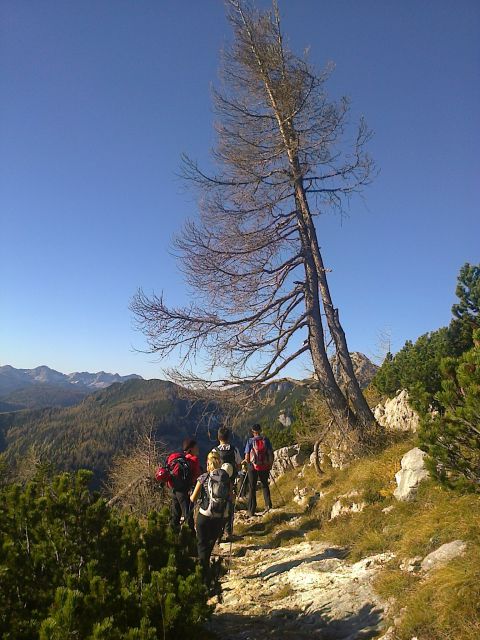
x,y
276,486
233,520
230,549
242,485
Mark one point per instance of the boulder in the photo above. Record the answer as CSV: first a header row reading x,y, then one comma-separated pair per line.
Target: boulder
x,y
396,414
413,471
288,458
443,554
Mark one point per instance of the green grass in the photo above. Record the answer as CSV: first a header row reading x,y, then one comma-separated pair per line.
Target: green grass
x,y
442,606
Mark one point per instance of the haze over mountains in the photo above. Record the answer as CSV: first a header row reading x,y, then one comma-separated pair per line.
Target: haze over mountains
x,y
43,386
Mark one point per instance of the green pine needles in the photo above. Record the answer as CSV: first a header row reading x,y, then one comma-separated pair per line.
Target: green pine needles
x,y
451,435
71,567
417,366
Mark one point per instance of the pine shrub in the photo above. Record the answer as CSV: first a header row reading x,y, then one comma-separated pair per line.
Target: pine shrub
x,y
71,567
451,435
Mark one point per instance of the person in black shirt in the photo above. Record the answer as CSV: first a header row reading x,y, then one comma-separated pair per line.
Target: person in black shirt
x,y
228,454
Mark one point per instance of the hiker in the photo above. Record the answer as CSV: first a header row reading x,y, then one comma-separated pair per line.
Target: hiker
x,y
259,457
243,484
231,455
213,489
182,482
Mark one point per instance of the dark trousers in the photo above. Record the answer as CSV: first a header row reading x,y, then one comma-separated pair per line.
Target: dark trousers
x,y
253,476
180,505
228,520
208,532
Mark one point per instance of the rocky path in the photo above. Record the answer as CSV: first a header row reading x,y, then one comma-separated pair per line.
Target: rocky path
x,y
305,590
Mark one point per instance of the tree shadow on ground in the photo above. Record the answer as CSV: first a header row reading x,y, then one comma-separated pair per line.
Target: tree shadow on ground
x,y
292,624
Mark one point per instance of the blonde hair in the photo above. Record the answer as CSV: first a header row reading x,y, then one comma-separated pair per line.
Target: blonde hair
x,y
213,461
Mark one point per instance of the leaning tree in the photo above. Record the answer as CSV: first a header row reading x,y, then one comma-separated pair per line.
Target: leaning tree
x,y
252,259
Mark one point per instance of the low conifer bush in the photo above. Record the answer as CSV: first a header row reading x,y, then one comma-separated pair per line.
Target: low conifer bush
x,y
71,567
451,435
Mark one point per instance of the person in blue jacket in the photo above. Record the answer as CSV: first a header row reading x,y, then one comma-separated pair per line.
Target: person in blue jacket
x,y
259,457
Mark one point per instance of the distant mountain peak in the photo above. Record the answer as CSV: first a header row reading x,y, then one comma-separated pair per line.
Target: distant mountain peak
x,y
12,379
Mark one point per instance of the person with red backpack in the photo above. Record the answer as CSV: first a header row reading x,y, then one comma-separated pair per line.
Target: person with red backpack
x,y
180,472
259,457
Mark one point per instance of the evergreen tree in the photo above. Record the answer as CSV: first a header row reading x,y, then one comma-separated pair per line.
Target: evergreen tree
x,y
468,293
451,436
416,366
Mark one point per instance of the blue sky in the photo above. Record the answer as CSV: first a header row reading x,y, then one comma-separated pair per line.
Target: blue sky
x,y
99,98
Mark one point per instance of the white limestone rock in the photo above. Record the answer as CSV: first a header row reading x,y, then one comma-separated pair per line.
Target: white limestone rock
x,y
396,414
306,497
413,471
443,555
288,458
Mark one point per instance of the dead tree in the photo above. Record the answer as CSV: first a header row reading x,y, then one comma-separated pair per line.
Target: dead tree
x,y
260,296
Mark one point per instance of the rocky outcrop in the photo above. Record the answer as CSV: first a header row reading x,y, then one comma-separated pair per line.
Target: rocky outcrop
x,y
363,367
396,414
288,458
436,559
413,471
285,419
335,451
443,555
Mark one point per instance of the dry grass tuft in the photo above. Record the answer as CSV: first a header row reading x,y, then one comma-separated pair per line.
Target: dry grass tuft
x,y
442,606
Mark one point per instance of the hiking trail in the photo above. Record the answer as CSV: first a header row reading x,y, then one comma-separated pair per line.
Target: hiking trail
x,y
305,590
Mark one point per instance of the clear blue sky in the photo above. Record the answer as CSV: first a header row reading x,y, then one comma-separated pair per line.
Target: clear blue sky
x,y
98,99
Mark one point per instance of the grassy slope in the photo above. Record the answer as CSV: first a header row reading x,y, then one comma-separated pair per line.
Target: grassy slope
x,y
443,606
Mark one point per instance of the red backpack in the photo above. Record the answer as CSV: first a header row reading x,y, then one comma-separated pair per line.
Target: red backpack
x,y
261,456
177,472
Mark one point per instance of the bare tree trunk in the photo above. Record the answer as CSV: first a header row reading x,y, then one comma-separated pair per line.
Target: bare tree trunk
x,y
316,457
362,410
323,370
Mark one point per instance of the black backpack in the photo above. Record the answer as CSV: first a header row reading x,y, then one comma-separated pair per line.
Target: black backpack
x,y
228,455
215,494
180,472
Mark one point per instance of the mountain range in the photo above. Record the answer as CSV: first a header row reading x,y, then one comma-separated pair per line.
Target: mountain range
x,y
45,387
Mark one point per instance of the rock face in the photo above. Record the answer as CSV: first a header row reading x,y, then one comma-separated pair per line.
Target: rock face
x,y
285,419
443,554
396,414
298,592
413,471
288,458
363,367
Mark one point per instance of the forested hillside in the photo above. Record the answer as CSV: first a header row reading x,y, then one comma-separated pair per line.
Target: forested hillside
x,y
106,423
